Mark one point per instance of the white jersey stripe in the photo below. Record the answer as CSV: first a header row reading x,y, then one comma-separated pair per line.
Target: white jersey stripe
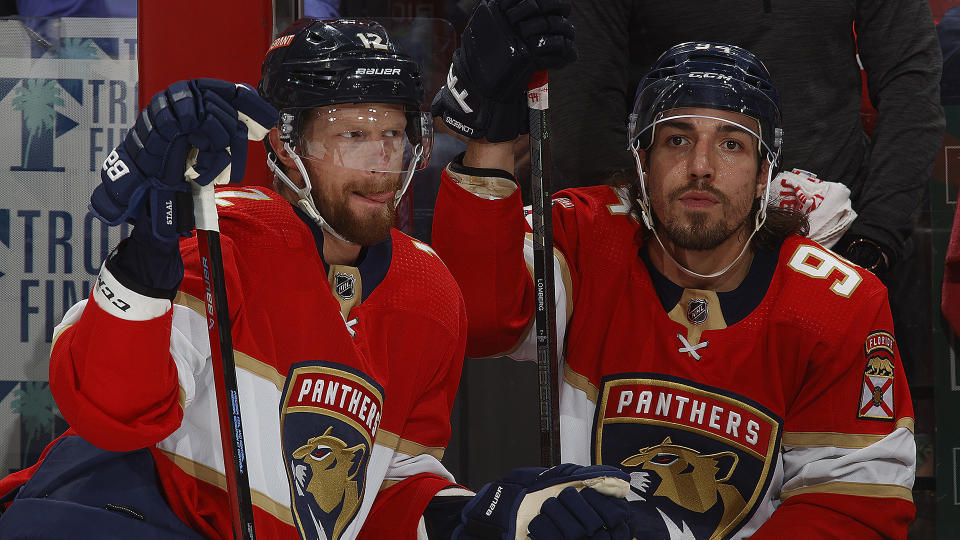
x,y
889,461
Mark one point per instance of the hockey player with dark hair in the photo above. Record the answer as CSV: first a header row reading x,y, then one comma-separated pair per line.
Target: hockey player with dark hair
x,y
746,378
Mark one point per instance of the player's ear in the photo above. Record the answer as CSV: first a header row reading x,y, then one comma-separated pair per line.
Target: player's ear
x,y
278,149
762,177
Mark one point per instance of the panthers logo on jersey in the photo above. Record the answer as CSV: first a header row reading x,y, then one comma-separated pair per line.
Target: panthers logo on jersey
x,y
699,458
329,418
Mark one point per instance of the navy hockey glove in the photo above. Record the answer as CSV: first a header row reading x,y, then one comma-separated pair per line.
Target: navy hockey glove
x,y
146,171
142,180
503,509
579,515
504,42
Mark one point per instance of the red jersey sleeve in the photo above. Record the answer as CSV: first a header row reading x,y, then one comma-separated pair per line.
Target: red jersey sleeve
x,y
848,447
115,380
487,245
481,242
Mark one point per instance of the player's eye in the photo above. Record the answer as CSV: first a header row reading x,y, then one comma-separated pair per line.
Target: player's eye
x,y
351,134
391,133
731,145
676,140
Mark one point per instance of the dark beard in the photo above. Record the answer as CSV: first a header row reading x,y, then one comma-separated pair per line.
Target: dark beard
x,y
698,236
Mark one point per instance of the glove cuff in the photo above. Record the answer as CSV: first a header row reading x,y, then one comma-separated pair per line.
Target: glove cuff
x,y
119,300
154,270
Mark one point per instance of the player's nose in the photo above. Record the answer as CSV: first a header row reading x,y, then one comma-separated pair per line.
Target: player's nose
x,y
700,165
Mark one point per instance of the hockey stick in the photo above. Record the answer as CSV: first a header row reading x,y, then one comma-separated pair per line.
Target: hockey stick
x,y
221,352
547,368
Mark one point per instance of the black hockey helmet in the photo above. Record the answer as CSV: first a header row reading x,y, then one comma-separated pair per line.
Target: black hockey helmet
x,y
315,62
711,75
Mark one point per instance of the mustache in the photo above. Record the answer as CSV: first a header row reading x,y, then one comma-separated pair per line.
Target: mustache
x,y
373,186
699,185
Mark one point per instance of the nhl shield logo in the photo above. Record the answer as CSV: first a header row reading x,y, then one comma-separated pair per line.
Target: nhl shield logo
x,y
344,285
697,311
699,458
329,417
876,394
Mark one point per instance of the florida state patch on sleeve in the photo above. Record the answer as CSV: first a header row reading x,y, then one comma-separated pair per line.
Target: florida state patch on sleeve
x,y
329,416
876,394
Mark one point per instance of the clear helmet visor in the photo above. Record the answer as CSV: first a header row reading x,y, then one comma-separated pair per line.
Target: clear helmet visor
x,y
653,105
372,137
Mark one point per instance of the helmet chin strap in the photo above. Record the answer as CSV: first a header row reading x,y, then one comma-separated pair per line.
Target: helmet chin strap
x,y
408,174
646,213
305,199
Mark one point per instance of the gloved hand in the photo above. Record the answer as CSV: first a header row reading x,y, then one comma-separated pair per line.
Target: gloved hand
x,y
503,510
216,117
585,514
142,180
504,42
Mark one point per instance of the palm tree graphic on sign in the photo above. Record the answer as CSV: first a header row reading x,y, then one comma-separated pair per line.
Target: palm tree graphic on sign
x,y
38,413
37,99
78,49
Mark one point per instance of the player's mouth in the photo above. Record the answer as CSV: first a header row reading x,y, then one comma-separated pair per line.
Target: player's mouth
x,y
698,199
378,198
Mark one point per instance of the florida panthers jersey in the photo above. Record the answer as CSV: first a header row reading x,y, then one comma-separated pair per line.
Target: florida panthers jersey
x,y
781,405
346,377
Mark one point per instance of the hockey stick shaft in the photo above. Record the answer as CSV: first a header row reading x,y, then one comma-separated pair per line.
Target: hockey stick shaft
x,y
221,352
547,365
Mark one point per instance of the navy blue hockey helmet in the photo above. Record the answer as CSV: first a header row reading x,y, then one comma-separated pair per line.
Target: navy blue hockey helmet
x,y
710,75
315,62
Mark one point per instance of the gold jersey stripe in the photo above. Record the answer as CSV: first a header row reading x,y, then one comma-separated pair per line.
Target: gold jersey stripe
x,y
813,439
260,369
217,478
485,187
392,440
580,382
888,491
191,302
56,336
242,360
388,483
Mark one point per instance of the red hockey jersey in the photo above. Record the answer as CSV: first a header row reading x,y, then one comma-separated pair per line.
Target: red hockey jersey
x,y
346,378
794,417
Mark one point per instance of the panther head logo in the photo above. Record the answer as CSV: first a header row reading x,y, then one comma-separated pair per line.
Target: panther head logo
x,y
690,479
334,468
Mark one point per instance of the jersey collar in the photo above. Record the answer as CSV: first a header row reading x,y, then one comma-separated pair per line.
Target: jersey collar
x,y
373,261
736,304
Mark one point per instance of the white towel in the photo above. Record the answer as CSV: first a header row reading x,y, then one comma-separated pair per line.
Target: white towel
x,y
827,204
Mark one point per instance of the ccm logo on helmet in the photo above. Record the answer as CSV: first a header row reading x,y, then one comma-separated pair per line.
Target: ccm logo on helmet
x,y
378,71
